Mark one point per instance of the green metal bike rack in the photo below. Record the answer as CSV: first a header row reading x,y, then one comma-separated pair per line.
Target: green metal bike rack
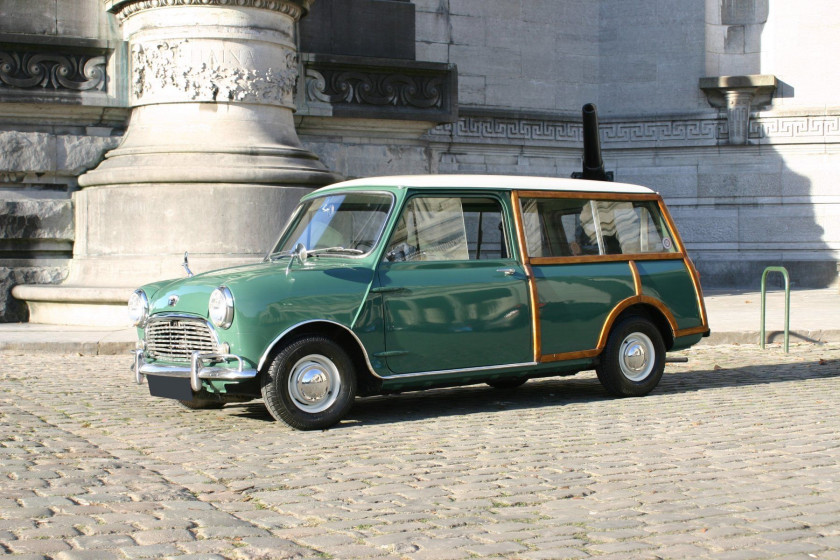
x,y
784,272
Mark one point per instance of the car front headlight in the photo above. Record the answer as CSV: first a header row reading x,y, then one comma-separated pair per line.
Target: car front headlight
x,y
220,307
138,308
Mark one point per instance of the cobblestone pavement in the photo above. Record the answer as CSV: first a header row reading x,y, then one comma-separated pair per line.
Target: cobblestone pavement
x,y
735,455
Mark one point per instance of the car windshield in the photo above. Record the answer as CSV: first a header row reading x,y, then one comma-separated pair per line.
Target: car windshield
x,y
342,224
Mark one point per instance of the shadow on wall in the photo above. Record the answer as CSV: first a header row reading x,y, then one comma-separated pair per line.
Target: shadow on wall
x,y
755,203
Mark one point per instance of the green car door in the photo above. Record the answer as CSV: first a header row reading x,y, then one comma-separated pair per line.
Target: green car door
x,y
453,296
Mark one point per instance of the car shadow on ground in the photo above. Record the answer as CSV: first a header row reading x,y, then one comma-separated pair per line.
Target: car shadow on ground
x,y
554,391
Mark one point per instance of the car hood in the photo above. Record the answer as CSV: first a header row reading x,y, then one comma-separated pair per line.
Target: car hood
x,y
257,286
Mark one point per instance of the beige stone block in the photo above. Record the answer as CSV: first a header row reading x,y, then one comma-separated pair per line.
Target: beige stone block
x,y
432,52
507,9
472,90
432,27
467,30
32,152
77,154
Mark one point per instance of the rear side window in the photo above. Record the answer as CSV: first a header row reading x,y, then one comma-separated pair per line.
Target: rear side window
x,y
560,227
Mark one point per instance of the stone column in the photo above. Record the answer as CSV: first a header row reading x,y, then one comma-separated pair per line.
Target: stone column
x,y
210,162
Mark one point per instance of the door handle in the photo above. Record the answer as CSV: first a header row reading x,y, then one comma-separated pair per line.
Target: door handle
x,y
507,271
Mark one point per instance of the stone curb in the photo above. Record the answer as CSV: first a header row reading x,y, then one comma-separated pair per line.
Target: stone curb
x,y
68,348
773,337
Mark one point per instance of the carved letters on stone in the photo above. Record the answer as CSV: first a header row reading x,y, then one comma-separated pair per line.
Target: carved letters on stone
x,y
33,69
161,69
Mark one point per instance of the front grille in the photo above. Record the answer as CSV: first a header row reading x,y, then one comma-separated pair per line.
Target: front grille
x,y
175,339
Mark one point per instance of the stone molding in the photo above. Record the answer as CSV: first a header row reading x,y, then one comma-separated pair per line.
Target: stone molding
x,y
344,86
400,90
158,69
739,95
126,8
28,68
632,134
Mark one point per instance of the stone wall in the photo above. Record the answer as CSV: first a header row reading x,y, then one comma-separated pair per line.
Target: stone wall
x,y
524,69
59,113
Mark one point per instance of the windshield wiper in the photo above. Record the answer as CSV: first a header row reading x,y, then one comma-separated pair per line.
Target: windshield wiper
x,y
278,255
336,250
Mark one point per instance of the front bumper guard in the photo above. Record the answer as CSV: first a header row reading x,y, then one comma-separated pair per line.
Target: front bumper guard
x,y
197,371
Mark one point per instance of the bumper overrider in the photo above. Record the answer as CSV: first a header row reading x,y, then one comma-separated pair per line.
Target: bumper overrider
x,y
197,370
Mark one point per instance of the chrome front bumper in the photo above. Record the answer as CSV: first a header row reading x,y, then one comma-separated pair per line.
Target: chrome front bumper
x,y
196,372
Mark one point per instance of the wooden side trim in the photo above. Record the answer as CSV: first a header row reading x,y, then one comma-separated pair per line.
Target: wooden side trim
x,y
608,324
702,329
692,271
635,300
637,279
541,261
536,334
570,356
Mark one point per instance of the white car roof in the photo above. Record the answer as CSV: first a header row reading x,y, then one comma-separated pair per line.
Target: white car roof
x,y
494,182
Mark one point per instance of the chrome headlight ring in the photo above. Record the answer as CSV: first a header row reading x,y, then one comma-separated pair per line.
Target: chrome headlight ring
x,y
138,308
220,307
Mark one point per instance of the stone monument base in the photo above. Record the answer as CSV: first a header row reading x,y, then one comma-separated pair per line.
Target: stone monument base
x,y
143,236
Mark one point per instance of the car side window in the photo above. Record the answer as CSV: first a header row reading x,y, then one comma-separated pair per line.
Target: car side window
x,y
434,228
558,227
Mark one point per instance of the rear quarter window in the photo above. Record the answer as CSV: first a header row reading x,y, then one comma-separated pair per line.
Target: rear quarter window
x,y
570,227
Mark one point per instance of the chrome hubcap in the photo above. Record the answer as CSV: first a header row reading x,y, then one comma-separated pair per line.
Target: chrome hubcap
x,y
637,357
314,383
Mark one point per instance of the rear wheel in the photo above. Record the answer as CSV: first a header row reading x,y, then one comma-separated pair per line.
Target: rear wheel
x,y
633,360
310,384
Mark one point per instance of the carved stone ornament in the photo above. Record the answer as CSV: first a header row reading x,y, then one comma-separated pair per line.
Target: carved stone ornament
x,y
74,72
160,69
368,88
677,132
126,8
739,95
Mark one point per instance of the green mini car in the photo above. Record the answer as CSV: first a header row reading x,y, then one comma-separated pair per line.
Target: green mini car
x,y
394,284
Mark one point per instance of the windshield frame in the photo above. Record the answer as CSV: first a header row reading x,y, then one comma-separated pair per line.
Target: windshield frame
x,y
297,215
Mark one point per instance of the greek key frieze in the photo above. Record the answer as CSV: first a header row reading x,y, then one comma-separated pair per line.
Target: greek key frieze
x,y
616,135
48,70
770,127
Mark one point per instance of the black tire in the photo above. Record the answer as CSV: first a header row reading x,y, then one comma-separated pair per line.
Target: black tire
x,y
634,358
201,404
507,383
310,384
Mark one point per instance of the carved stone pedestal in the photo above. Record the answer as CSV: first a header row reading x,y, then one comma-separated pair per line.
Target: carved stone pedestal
x,y
210,162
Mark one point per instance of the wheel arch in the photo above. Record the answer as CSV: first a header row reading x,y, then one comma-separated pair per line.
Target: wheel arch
x,y
367,380
652,309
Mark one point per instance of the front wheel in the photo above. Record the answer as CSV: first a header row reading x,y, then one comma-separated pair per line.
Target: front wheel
x,y
310,384
633,360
